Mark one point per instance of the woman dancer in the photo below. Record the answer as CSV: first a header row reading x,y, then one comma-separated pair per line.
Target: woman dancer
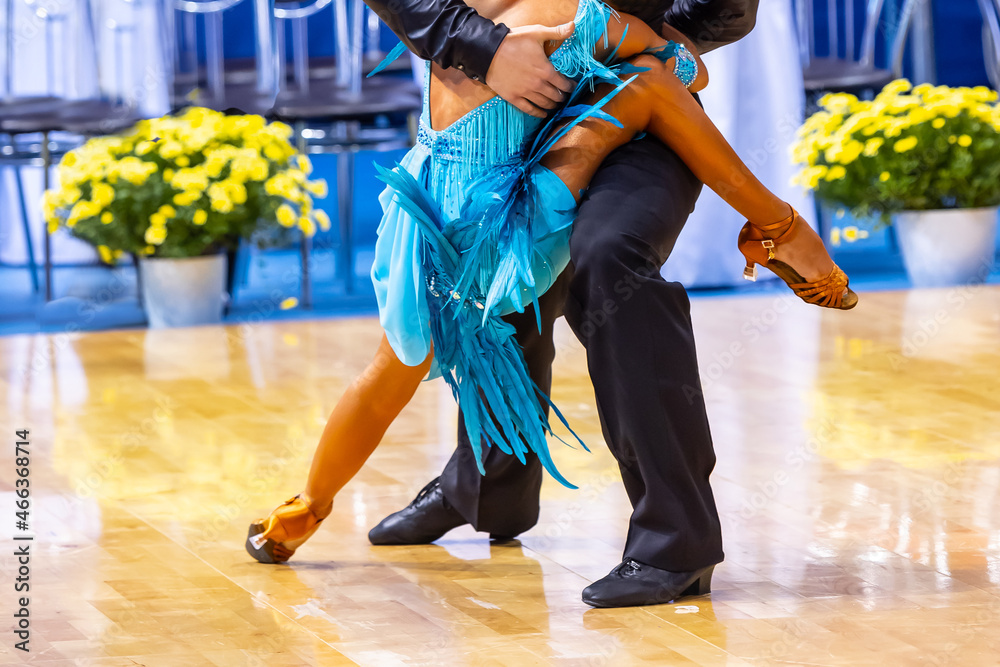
x,y
476,223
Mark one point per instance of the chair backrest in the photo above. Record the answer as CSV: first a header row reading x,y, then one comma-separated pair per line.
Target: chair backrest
x,y
129,48
49,49
991,39
350,29
181,19
295,14
889,19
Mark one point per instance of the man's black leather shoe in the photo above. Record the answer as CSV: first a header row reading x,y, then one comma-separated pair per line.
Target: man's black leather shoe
x,y
426,519
633,584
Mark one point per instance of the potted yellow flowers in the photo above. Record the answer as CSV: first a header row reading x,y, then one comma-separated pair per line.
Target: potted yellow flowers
x,y
927,157
178,191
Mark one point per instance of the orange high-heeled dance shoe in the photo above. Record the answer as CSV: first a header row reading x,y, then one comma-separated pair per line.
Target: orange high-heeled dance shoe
x,y
275,539
758,243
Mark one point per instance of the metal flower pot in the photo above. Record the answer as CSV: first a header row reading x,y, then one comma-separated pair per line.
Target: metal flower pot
x,y
183,292
947,247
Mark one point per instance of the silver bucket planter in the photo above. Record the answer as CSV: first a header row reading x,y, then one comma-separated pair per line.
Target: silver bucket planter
x,y
947,247
183,292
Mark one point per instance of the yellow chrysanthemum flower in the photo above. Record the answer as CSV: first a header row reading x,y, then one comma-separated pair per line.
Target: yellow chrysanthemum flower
x,y
965,141
274,152
280,185
82,210
307,226
222,205
195,179
852,151
155,234
811,176
286,216
938,123
317,188
200,217
897,87
170,149
322,219
186,198
884,176
907,144
236,191
873,145
102,194
107,218
836,173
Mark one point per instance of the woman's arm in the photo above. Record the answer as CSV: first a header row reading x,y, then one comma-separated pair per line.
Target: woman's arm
x,y
632,36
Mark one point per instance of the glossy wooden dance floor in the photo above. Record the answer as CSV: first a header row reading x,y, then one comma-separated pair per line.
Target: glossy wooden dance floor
x,y
858,480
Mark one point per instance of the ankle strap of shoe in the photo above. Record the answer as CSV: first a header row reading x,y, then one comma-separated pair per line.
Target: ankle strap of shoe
x,y
789,222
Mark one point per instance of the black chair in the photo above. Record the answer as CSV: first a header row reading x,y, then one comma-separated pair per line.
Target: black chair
x,y
990,10
83,119
201,75
849,63
342,114
40,129
15,156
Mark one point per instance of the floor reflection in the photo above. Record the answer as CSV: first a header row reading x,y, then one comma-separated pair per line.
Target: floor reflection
x,y
858,482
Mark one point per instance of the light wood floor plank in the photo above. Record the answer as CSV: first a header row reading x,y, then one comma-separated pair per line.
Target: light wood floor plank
x,y
858,481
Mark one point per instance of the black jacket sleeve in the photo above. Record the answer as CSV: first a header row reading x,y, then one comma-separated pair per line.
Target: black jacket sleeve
x,y
449,32
713,23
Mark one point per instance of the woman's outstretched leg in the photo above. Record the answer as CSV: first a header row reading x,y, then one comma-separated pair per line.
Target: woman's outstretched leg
x,y
657,102
355,428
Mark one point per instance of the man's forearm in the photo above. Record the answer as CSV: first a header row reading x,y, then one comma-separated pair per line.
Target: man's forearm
x,y
449,32
713,23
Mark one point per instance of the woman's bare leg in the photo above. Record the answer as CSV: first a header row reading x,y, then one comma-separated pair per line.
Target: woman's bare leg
x,y
357,424
658,103
352,433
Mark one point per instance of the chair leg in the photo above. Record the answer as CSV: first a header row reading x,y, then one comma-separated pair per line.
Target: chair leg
x,y
305,246
232,264
305,249
26,226
345,215
138,280
47,167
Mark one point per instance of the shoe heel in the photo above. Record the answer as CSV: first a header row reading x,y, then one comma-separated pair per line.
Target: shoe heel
x,y
753,250
702,585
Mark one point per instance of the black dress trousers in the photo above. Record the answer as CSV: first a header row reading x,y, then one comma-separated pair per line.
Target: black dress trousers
x,y
636,328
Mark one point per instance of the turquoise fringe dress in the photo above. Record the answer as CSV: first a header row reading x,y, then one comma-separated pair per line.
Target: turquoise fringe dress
x,y
474,229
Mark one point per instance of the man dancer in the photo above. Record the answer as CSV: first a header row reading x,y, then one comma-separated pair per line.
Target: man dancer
x,y
635,326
